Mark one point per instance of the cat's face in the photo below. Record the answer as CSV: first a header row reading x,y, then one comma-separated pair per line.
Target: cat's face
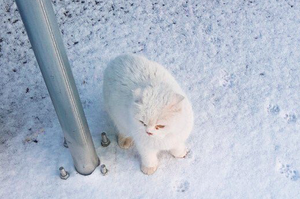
x,y
155,111
155,125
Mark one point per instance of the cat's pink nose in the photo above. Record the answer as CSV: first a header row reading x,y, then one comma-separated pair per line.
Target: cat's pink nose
x,y
149,133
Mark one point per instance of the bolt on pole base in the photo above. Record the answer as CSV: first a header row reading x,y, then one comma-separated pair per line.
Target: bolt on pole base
x,y
45,38
103,169
104,140
63,173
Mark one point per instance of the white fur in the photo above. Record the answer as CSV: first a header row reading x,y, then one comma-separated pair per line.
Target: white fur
x,y
138,89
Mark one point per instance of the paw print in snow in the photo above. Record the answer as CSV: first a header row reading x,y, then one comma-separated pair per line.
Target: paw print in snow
x,y
183,186
273,109
288,172
290,118
227,80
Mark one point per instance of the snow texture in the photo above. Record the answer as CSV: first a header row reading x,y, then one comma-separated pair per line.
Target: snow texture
x,y
238,60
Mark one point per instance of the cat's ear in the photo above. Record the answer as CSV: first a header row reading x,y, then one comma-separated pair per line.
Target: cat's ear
x,y
137,95
176,102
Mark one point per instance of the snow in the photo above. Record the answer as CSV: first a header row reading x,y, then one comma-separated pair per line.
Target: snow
x,y
239,61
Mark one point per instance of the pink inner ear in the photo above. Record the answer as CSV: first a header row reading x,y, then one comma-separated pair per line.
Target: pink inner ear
x,y
176,104
177,98
175,108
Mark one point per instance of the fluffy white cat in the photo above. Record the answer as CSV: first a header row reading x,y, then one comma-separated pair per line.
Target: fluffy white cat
x,y
148,108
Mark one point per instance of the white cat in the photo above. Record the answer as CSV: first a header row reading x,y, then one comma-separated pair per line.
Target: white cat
x,y
148,108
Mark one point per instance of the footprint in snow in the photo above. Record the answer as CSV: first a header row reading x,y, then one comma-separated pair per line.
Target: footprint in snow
x,y
287,171
183,186
227,79
273,109
290,118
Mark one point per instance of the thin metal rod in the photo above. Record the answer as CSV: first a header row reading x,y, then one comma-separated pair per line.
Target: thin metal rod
x,y
43,32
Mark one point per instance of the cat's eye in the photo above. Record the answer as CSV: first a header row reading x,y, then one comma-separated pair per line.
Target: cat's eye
x,y
159,127
143,123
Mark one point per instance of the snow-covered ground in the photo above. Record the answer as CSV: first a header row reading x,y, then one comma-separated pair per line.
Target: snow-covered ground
x,y
238,60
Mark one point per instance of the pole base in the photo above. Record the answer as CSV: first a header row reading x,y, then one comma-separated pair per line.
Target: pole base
x,y
84,174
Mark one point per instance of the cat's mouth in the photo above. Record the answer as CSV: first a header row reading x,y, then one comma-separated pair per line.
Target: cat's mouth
x,y
149,133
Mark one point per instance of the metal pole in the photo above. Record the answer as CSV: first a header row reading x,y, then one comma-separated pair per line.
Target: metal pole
x,y
43,32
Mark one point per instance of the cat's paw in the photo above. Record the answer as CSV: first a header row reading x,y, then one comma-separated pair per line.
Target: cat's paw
x,y
148,170
125,142
179,154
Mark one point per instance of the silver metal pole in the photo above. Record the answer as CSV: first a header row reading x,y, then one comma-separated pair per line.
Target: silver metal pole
x,y
43,32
